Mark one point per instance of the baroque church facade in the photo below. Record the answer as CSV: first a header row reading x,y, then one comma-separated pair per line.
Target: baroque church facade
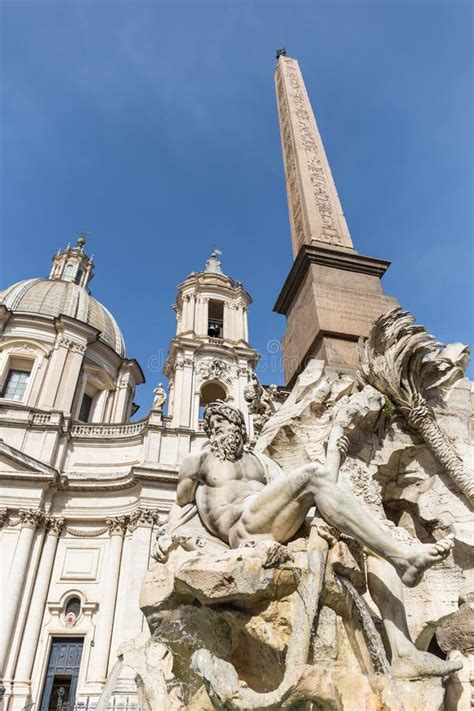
x,y
83,487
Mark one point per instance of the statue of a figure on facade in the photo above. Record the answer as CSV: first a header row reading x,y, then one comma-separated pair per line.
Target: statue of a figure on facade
x,y
159,398
259,551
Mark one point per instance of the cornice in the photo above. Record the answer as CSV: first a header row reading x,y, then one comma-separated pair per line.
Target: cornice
x,y
329,257
204,345
68,323
200,281
136,370
135,476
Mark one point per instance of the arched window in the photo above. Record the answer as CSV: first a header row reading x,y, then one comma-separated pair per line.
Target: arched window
x,y
73,605
210,392
215,326
72,610
68,272
15,379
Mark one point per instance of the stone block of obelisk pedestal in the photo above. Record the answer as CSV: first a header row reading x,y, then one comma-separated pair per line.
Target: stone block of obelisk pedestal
x,y
332,294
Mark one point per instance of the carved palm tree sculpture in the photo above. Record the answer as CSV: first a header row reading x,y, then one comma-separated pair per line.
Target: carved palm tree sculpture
x,y
406,364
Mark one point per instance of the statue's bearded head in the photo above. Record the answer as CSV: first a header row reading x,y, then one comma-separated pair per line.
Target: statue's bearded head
x,y
225,427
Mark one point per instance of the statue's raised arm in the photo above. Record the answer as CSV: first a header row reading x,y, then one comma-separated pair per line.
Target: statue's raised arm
x,y
188,479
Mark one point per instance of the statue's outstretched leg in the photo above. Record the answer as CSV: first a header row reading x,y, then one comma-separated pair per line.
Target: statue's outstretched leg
x,y
279,509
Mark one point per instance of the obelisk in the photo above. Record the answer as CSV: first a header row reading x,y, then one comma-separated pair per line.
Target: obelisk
x,y
332,294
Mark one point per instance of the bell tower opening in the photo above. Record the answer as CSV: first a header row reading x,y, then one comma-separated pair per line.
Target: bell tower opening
x,y
215,323
210,392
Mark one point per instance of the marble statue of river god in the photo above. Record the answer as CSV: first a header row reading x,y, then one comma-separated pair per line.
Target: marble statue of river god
x,y
243,498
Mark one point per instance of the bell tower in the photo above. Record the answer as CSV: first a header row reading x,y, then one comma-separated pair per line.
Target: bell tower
x,y
332,294
210,357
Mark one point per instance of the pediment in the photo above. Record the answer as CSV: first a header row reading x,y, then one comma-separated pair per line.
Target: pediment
x,y
14,462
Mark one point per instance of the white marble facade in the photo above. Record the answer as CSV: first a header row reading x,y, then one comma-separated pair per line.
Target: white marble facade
x,y
82,486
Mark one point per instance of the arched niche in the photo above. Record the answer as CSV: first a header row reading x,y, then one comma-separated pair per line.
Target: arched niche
x,y
210,392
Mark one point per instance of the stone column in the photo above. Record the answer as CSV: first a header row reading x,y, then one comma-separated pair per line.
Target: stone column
x,y
175,403
37,376
246,325
202,312
234,323
103,636
227,318
192,313
186,392
239,317
30,520
195,410
185,314
53,375
181,315
40,592
129,618
121,400
70,373
198,315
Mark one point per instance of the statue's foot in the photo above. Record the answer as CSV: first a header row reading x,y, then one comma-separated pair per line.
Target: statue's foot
x,y
422,664
413,567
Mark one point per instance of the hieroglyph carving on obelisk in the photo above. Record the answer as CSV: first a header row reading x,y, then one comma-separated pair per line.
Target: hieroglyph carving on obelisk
x,y
315,210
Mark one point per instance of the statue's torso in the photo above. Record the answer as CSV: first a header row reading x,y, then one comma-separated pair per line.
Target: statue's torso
x,y
224,489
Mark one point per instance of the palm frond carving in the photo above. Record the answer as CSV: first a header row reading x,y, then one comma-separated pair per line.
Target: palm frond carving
x,y
406,363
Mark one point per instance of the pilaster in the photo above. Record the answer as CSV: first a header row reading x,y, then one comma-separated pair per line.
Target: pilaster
x,y
122,397
117,527
135,556
29,521
65,362
31,634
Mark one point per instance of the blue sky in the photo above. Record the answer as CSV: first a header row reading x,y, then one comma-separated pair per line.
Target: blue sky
x,y
153,126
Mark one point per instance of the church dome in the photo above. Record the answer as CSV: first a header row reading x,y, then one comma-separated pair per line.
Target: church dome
x,y
55,297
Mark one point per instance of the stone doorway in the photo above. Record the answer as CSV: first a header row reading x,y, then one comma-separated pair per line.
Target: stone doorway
x,y
59,692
